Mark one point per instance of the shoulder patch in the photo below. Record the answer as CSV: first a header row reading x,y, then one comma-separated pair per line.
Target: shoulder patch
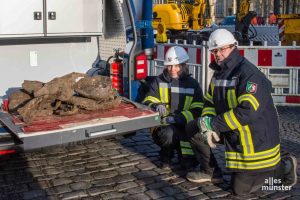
x,y
251,87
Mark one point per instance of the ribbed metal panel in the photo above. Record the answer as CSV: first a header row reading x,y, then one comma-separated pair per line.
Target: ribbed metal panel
x,y
115,37
264,33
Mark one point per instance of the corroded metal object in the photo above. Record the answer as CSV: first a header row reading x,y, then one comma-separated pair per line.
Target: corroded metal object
x,y
98,88
66,95
18,99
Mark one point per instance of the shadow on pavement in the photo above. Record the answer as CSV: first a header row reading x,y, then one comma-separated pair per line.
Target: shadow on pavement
x,y
18,180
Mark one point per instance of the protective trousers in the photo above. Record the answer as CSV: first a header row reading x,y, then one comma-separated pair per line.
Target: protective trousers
x,y
242,183
202,151
171,138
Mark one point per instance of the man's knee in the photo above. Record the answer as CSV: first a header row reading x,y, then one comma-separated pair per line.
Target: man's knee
x,y
163,136
246,183
239,185
193,135
191,129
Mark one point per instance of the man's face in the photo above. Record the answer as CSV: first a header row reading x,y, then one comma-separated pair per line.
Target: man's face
x,y
221,53
174,70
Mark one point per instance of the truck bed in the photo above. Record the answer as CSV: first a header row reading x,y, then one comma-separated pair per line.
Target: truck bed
x,y
56,130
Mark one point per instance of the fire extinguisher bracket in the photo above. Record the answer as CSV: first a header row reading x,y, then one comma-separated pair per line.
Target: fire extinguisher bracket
x,y
116,75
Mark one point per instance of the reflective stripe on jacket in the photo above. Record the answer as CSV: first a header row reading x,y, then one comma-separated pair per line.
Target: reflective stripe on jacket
x,y
182,97
239,98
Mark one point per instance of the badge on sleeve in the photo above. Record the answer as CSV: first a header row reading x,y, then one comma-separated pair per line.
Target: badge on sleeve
x,y
251,87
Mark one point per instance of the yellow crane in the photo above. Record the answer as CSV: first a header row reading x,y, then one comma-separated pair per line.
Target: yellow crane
x,y
243,21
288,19
288,24
179,17
289,28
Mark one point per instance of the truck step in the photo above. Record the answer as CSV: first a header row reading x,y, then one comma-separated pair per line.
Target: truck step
x,y
7,143
6,140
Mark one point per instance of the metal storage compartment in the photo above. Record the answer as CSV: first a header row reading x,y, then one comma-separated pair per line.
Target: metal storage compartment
x,y
32,18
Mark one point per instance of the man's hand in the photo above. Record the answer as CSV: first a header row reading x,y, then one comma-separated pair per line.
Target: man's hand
x,y
168,120
207,135
162,110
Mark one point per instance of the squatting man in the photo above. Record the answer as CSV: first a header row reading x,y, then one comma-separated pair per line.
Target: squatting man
x,y
238,112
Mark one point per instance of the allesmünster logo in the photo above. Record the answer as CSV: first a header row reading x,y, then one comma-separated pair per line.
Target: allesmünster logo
x,y
273,184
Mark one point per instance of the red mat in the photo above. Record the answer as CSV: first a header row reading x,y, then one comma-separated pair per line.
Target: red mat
x,y
54,122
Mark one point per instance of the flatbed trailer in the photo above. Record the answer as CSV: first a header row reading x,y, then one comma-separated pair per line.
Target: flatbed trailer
x,y
56,130
49,39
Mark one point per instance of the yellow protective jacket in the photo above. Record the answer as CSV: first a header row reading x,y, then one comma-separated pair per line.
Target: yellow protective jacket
x,y
239,99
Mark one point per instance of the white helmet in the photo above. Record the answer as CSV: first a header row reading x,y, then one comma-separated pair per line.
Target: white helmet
x,y
220,38
176,55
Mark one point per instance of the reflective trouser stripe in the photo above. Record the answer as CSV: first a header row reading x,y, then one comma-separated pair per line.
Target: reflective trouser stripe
x,y
185,144
186,148
185,151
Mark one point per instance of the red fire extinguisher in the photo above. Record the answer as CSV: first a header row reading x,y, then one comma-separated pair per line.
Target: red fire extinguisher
x,y
116,72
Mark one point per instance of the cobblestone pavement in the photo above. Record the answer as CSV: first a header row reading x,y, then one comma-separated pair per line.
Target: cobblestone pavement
x,y
122,168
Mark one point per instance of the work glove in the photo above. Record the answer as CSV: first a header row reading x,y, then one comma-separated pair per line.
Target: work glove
x,y
204,123
162,110
208,136
168,120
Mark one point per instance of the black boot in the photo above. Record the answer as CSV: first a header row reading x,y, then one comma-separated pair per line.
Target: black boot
x,y
290,170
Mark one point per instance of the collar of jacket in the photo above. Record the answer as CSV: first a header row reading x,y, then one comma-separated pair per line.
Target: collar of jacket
x,y
185,73
229,63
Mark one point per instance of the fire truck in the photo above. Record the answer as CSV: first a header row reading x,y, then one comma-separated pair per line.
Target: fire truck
x,y
41,40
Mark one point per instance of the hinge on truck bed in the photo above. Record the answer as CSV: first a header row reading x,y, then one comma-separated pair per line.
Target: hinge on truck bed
x,y
5,120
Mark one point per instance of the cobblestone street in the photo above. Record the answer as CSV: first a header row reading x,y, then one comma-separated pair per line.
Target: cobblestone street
x,y
123,168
